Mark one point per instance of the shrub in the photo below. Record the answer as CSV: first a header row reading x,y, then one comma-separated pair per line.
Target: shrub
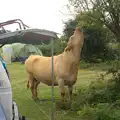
x,y
101,100
102,111
84,64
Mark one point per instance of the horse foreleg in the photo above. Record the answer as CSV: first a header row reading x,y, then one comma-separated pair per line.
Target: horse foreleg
x,y
70,90
62,88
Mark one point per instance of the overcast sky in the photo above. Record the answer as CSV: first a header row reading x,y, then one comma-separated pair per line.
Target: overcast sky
x,y
43,14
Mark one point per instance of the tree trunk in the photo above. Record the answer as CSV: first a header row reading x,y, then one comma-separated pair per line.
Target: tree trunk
x,y
115,30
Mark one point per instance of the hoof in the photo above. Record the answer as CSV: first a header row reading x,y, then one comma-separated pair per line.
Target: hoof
x,y
35,98
63,105
43,100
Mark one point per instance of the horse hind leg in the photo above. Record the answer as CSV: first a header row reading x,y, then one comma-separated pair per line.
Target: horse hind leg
x,y
30,81
70,90
36,83
30,84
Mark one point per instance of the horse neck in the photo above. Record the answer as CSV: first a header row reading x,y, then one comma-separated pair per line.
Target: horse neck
x,y
74,54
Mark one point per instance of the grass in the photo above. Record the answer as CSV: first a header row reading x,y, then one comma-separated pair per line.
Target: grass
x,y
41,110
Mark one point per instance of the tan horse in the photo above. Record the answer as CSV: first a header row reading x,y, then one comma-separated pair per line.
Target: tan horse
x,y
66,67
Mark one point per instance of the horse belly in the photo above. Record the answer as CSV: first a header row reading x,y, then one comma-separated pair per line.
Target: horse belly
x,y
45,78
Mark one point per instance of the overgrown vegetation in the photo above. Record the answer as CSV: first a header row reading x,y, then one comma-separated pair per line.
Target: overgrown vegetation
x,y
101,100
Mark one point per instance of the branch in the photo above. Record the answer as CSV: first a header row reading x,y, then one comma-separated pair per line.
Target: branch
x,y
82,5
87,4
114,14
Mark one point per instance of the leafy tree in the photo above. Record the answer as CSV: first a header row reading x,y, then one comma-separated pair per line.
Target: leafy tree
x,y
69,28
96,36
58,46
103,11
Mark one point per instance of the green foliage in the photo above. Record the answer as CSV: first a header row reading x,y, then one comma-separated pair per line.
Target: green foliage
x,y
97,37
69,28
102,111
46,49
86,19
100,11
84,64
95,44
101,99
95,40
58,46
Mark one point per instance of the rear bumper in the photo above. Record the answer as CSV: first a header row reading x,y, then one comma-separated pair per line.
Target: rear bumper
x,y
16,115
15,111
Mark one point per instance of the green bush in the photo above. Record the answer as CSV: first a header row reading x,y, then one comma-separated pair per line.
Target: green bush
x,y
84,64
101,100
58,46
102,111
